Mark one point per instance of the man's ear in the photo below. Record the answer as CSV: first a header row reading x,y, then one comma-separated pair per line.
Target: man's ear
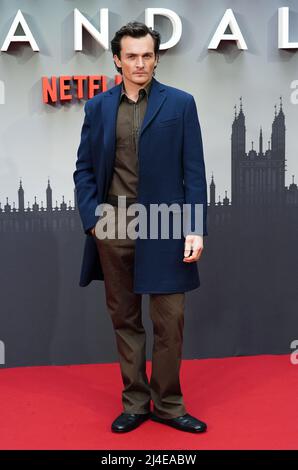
x,y
116,59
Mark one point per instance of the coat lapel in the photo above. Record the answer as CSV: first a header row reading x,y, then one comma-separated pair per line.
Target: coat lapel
x,y
109,114
155,100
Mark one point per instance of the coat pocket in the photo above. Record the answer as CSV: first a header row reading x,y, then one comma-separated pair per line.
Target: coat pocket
x,y
168,122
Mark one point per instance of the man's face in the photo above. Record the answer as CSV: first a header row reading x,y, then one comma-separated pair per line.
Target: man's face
x,y
137,59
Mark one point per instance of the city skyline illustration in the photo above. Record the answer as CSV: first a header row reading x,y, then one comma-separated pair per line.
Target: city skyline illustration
x,y
257,175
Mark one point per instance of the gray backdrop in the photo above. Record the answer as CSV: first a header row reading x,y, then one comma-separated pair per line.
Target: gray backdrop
x,y
247,302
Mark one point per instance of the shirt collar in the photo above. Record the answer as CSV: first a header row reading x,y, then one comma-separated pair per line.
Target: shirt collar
x,y
147,89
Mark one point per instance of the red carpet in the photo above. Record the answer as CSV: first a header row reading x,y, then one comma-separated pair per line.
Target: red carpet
x,y
247,402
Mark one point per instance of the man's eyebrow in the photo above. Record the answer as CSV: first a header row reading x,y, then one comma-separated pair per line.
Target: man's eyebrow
x,y
132,53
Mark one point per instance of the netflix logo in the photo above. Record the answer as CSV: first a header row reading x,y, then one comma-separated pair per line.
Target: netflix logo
x,y
77,87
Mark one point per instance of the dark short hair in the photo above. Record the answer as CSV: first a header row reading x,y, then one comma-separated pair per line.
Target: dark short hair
x,y
134,29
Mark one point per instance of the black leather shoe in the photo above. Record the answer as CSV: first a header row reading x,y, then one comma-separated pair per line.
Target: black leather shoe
x,y
186,423
128,421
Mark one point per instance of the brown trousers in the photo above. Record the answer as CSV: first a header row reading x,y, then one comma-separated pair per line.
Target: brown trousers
x,y
125,309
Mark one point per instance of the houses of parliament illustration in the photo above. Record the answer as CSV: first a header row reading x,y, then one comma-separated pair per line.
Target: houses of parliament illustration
x,y
257,184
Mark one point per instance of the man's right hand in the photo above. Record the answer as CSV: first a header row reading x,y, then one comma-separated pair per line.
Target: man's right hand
x,y
92,231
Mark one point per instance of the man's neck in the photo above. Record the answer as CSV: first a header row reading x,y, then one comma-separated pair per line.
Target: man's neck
x,y
132,89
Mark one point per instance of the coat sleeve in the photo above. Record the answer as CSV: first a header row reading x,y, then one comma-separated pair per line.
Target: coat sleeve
x,y
195,185
84,178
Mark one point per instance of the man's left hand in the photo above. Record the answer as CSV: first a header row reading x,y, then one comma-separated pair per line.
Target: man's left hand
x,y
194,242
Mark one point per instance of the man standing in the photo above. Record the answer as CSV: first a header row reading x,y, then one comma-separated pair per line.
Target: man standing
x,y
142,140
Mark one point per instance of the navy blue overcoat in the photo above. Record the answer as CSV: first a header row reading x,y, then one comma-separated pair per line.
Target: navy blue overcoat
x,y
171,169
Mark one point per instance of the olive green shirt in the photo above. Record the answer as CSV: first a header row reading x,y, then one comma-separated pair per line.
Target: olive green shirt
x,y
129,121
